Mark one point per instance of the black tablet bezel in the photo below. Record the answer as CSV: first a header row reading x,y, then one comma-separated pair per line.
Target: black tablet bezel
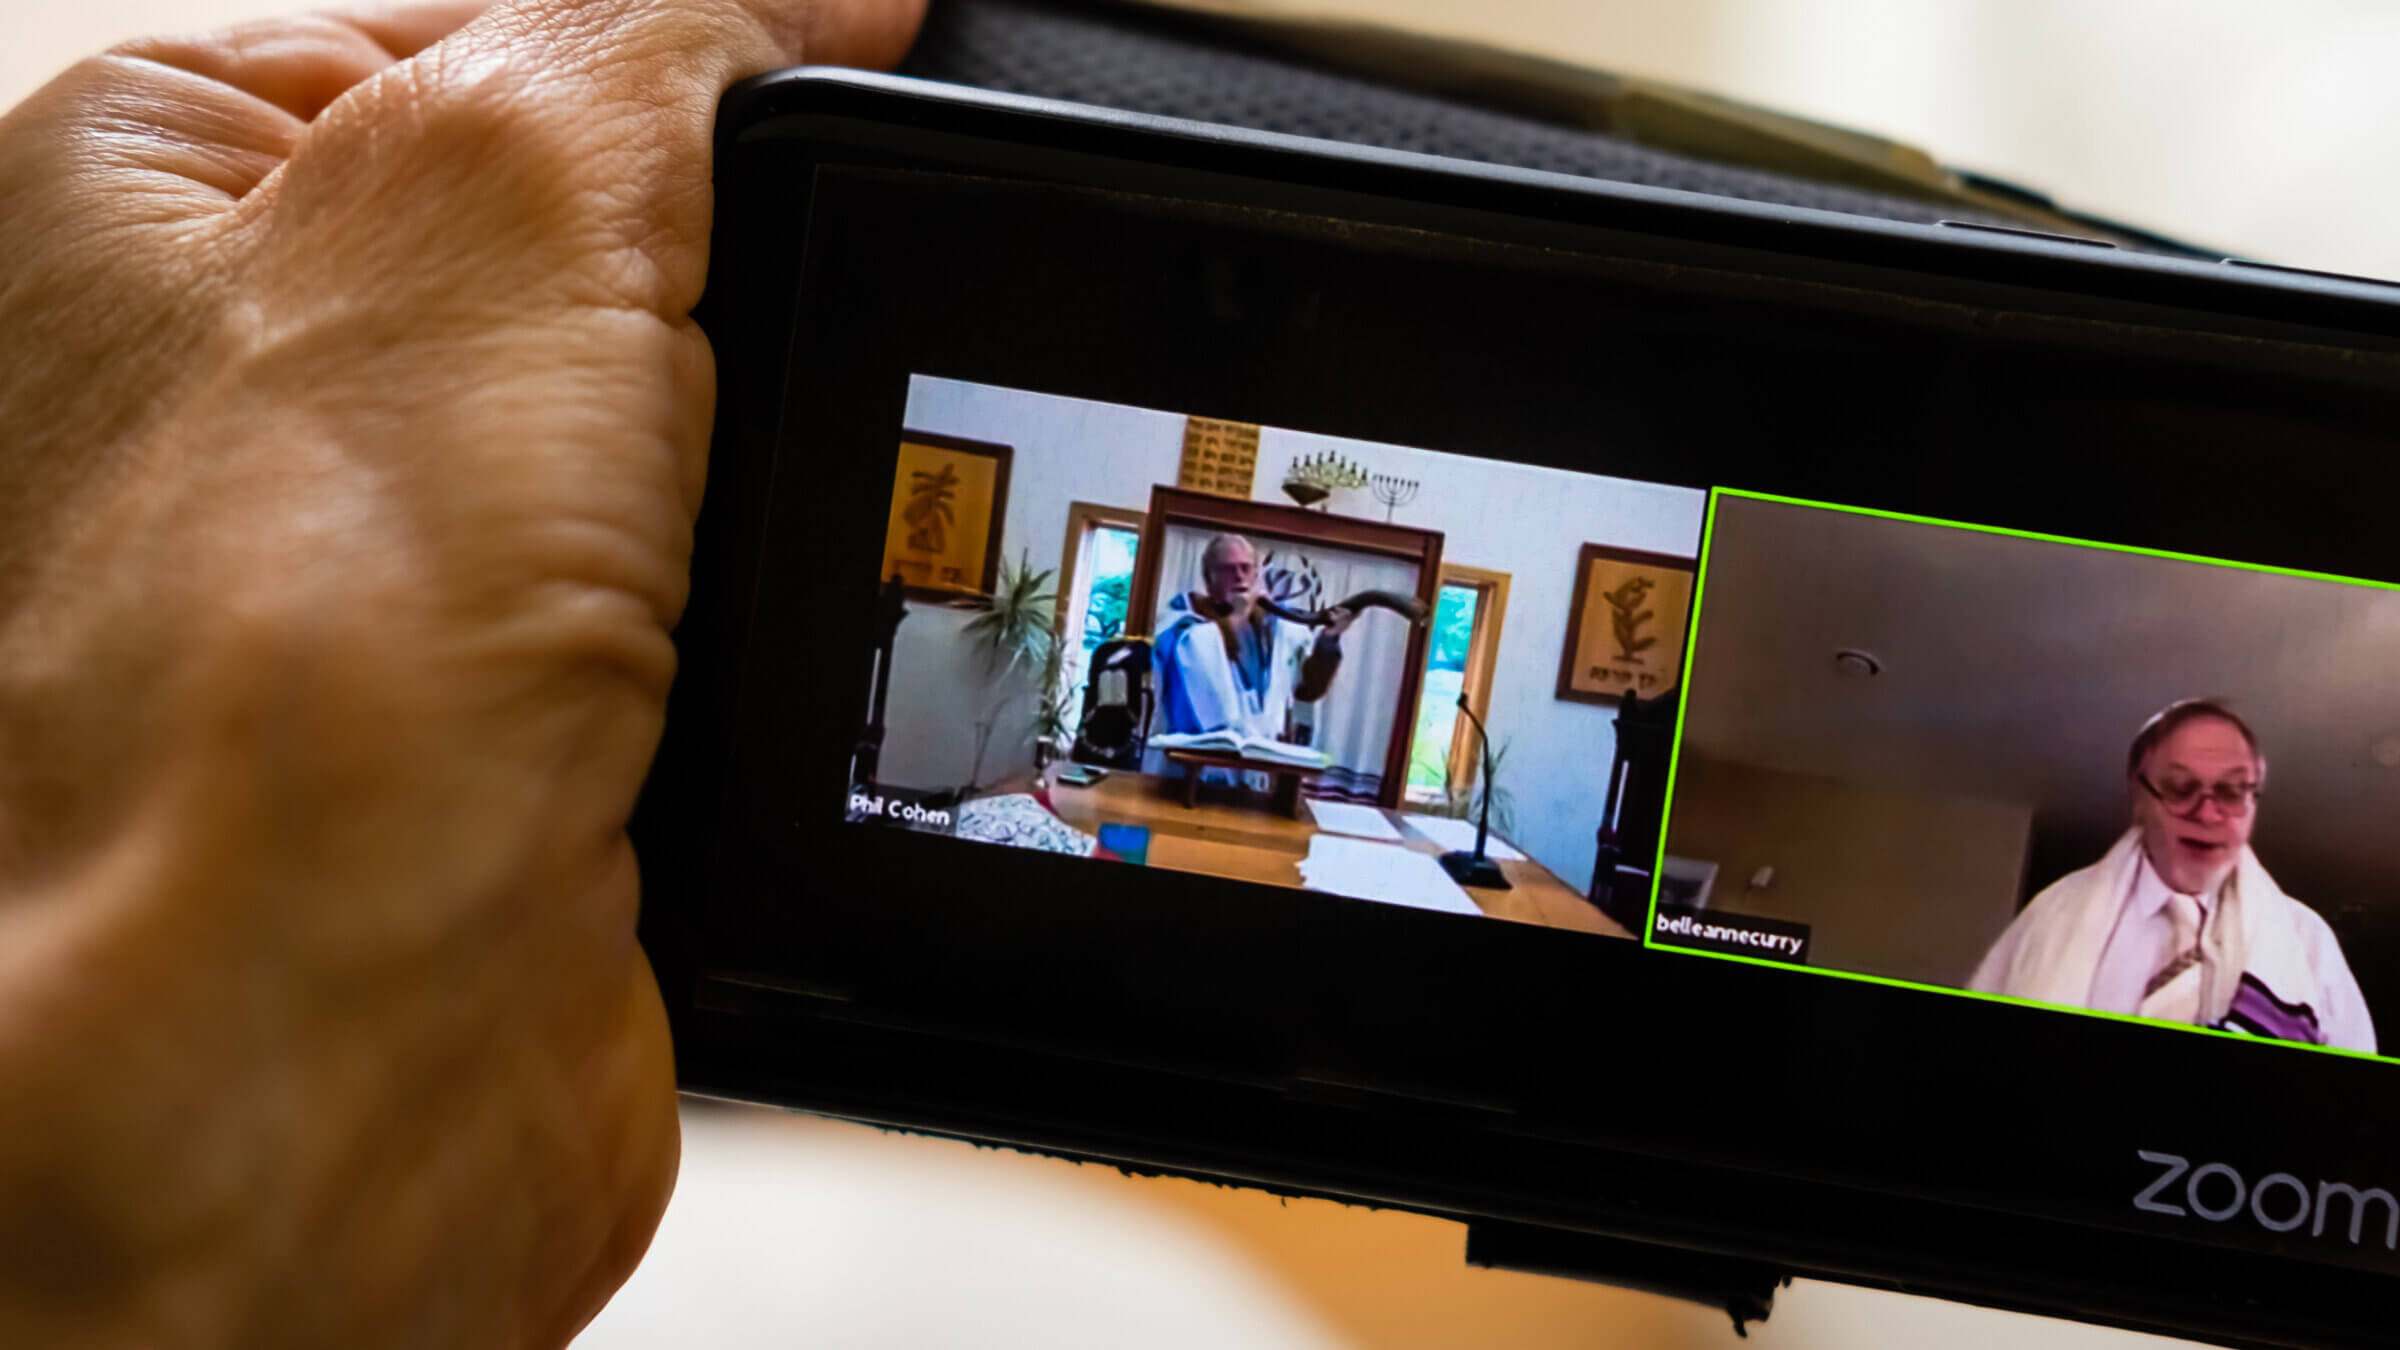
x,y
1212,1033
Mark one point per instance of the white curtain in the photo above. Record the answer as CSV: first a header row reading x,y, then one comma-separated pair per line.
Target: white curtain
x,y
1178,569
1352,724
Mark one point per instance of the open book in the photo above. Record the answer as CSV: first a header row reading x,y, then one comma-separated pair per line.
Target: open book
x,y
1248,747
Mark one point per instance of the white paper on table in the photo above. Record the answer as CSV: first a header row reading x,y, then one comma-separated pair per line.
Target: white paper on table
x,y
1459,835
1350,818
1385,872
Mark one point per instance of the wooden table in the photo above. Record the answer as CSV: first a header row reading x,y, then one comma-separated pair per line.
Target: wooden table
x,y
1252,843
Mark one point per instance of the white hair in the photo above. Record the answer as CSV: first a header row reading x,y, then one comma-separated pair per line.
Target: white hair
x,y
1214,552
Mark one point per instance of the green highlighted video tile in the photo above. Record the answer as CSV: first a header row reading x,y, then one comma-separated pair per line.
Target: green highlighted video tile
x,y
1973,760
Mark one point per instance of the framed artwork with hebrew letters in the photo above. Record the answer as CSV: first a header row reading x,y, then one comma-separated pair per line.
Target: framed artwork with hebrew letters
x,y
1627,628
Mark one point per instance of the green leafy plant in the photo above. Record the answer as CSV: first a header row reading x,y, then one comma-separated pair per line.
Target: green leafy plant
x,y
1453,629
1018,641
1054,711
1104,612
1465,801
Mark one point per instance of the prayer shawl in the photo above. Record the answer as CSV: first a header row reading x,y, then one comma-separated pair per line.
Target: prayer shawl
x,y
1199,689
2274,967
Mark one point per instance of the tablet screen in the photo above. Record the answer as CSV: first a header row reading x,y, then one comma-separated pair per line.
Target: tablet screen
x,y
1931,753
1637,723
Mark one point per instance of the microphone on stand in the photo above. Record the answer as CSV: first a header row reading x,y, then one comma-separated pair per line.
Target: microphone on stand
x,y
1475,869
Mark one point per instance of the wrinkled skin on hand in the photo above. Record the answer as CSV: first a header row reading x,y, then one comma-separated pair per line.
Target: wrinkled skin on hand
x,y
351,434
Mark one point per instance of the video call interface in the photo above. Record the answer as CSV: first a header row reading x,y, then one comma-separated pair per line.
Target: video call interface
x,y
1935,754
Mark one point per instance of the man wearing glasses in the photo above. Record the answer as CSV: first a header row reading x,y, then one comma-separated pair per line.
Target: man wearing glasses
x,y
2179,921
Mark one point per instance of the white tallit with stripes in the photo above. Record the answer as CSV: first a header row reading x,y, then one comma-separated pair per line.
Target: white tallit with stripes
x,y
2051,952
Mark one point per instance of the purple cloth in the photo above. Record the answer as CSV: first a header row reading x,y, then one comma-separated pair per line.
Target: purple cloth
x,y
2257,1011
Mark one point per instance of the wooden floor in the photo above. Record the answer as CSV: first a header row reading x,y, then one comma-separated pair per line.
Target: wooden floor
x,y
1245,840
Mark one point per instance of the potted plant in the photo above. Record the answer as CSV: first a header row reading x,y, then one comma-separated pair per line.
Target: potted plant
x,y
1018,641
1054,709
1462,799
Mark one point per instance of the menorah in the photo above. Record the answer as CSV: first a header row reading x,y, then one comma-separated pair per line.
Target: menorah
x,y
1313,478
1393,492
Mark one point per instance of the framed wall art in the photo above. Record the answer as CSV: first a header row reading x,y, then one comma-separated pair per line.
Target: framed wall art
x,y
1627,628
949,497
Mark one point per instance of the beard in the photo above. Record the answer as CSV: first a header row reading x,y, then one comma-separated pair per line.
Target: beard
x,y
1238,607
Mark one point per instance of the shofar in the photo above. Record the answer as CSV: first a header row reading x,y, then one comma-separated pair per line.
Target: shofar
x,y
1407,607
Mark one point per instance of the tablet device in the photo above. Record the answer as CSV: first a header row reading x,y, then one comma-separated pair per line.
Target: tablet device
x,y
1706,741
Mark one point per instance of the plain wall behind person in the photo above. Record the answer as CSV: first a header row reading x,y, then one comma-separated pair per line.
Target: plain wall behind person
x,y
1903,884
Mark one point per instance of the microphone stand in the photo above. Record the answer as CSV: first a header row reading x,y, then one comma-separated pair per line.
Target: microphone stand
x,y
1475,869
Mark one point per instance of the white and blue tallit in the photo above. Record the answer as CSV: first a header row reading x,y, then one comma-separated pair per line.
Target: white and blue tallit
x,y
1199,689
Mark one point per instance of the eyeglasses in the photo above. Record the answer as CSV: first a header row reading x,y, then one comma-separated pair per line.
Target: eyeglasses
x,y
2183,798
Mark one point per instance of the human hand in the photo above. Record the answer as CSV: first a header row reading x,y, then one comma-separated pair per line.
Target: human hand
x,y
1338,621
351,434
